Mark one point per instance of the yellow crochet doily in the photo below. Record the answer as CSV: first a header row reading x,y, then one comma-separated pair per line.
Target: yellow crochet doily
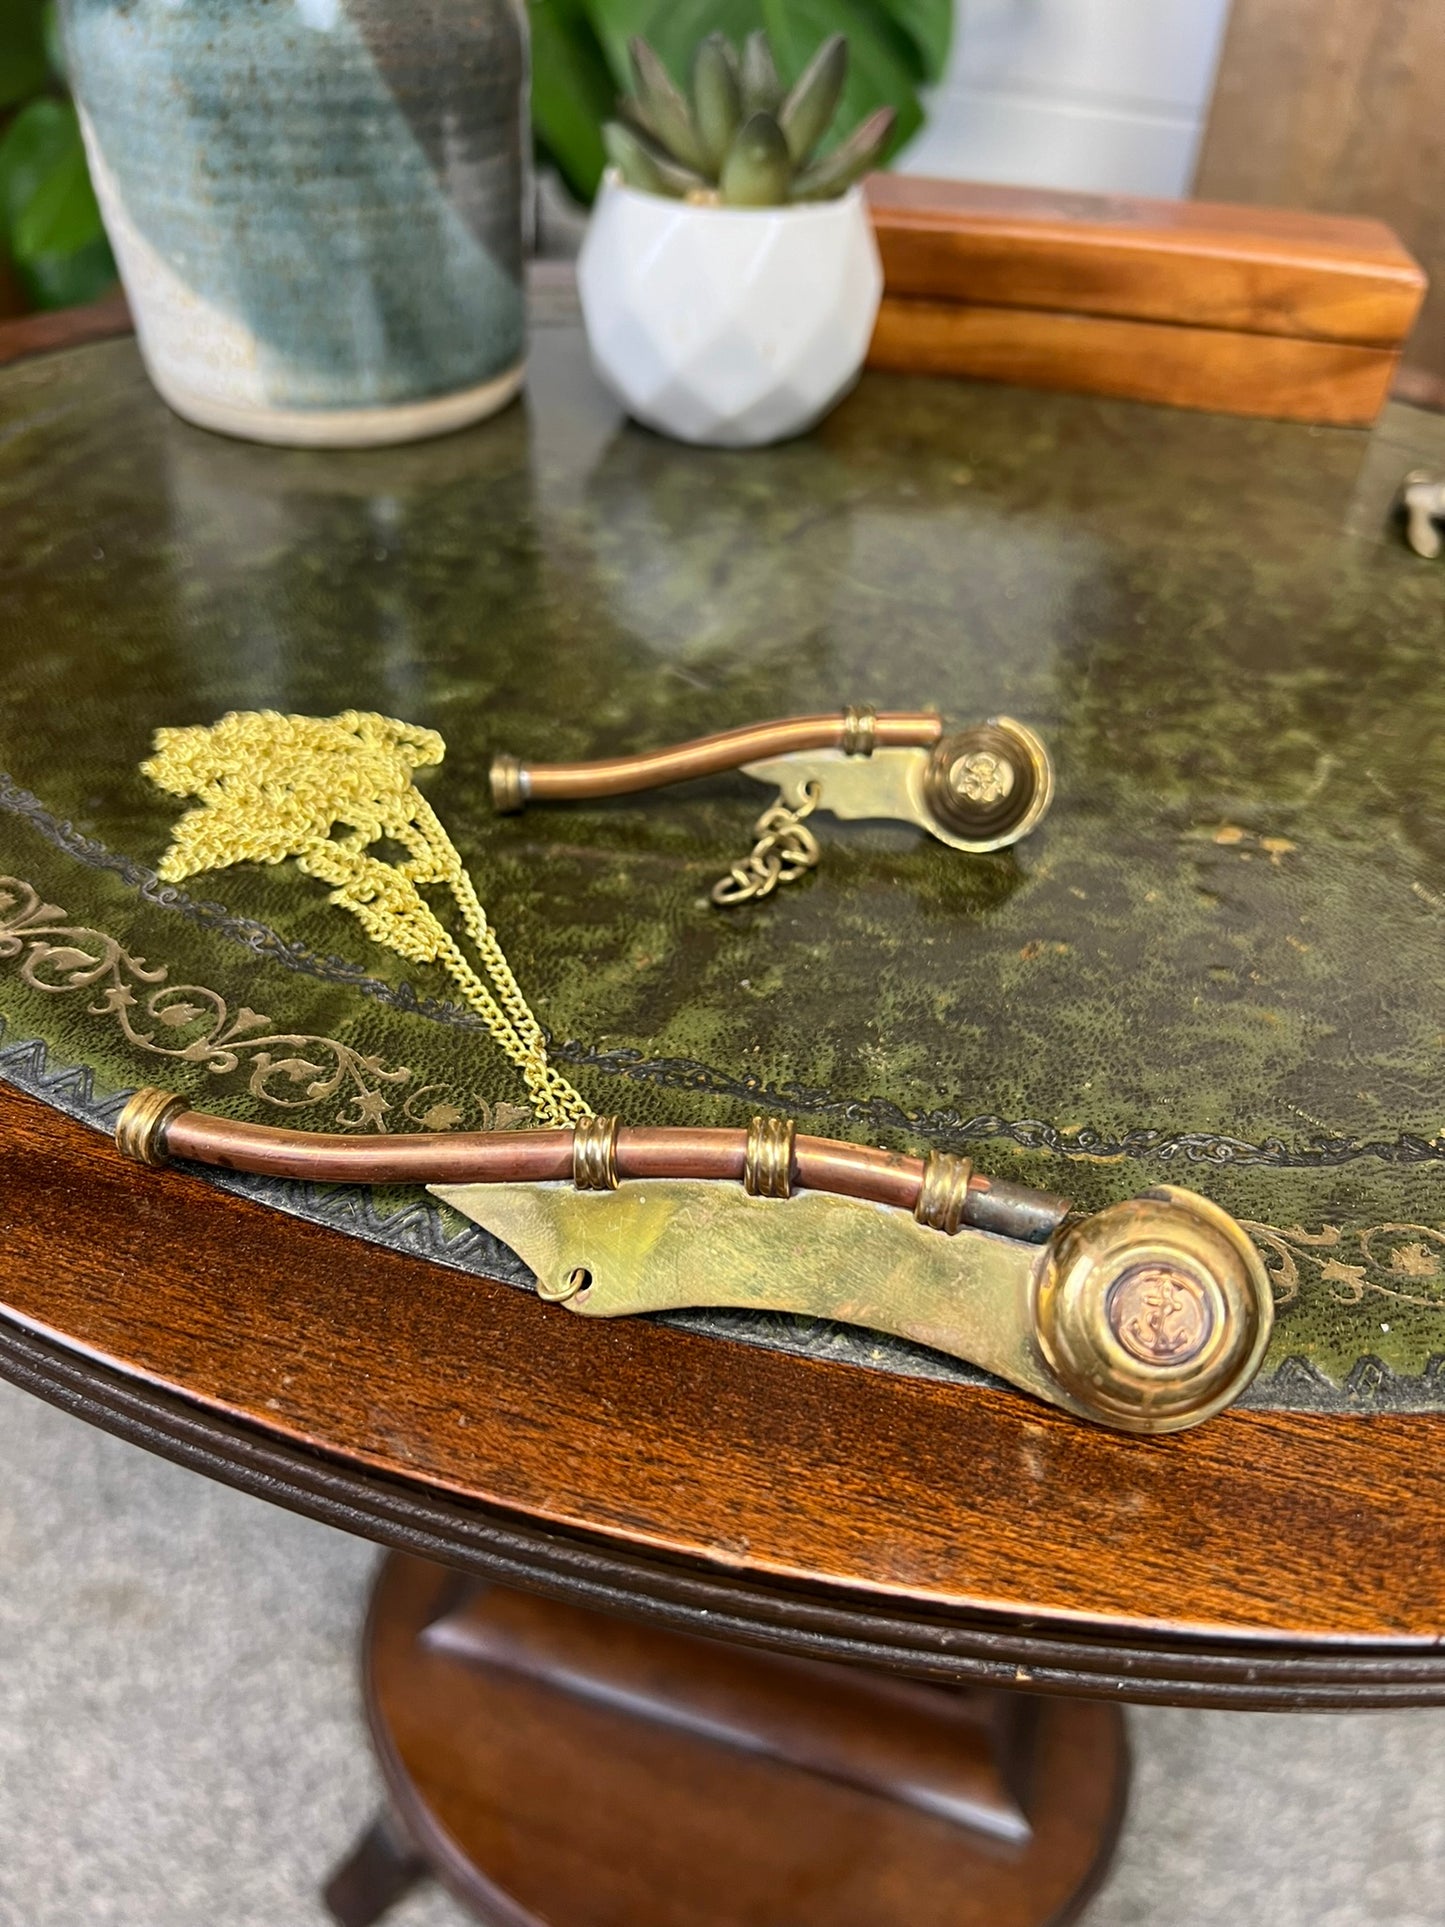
x,y
323,790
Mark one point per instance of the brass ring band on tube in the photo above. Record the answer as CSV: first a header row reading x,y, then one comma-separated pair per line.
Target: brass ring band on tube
x,y
768,1166
140,1130
594,1154
860,730
509,788
944,1192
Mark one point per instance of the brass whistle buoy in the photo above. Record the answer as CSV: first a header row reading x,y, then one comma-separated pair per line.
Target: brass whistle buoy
x,y
1147,1316
976,789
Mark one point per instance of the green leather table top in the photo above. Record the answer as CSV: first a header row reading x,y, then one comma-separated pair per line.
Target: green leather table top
x,y
1221,961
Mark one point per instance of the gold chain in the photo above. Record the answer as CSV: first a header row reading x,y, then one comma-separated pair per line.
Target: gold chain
x,y
323,790
784,851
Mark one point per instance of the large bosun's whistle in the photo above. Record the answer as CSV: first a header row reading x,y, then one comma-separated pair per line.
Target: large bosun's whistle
x,y
1148,1316
976,789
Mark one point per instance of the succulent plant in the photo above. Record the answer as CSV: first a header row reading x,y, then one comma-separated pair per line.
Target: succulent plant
x,y
739,138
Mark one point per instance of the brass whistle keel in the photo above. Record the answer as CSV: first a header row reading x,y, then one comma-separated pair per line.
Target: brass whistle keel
x,y
1147,1317
975,789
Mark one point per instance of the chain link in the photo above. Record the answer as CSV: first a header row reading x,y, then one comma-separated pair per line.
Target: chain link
x,y
274,786
784,851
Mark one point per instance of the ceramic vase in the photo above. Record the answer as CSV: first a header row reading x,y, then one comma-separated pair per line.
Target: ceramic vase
x,y
316,205
728,326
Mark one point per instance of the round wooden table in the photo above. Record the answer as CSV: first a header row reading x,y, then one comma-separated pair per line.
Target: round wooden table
x,y
890,1619
957,1535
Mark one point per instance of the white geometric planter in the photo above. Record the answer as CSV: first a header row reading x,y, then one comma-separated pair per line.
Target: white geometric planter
x,y
733,326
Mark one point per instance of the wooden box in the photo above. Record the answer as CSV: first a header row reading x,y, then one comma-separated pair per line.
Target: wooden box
x,y
1244,310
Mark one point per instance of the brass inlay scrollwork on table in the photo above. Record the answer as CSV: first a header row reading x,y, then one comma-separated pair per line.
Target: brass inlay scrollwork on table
x,y
1396,1262
63,958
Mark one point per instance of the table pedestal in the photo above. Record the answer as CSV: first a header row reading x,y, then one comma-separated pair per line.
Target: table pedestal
x,y
557,1767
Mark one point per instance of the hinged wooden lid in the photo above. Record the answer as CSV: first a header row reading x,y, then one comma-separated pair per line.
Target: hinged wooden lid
x,y
1200,264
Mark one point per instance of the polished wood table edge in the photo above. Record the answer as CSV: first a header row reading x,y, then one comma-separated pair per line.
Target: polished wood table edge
x,y
1278,1444
942,1637
52,333
817,1622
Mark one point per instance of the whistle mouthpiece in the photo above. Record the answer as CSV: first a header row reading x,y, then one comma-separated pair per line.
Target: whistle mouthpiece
x,y
140,1130
509,785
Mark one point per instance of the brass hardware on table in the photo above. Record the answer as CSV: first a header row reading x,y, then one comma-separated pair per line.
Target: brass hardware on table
x,y
594,1154
976,789
1148,1316
783,852
768,1170
509,793
140,1131
988,785
943,1194
860,730
1422,503
1147,1308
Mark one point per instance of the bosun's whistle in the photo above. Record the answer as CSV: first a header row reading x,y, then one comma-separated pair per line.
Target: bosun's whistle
x,y
976,789
1147,1316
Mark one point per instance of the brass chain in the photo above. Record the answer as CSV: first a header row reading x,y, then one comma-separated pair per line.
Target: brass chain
x,y
783,852
325,791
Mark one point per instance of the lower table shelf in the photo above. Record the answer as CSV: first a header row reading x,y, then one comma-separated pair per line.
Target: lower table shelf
x,y
557,1767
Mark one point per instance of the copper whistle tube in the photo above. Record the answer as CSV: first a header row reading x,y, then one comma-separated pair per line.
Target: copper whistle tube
x,y
515,784
156,1127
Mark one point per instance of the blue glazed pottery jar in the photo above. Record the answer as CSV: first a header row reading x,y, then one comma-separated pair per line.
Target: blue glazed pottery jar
x,y
317,205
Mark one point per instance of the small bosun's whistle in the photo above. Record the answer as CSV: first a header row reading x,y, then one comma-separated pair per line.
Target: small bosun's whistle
x,y
978,789
1148,1316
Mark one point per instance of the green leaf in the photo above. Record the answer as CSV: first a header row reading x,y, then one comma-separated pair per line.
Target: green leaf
x,y
616,23
808,111
54,38
67,280
762,89
929,26
572,92
46,198
893,44
878,73
642,164
662,107
24,65
838,170
673,27
717,104
759,169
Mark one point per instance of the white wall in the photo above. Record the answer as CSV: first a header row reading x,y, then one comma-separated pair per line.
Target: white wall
x,y
1108,95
